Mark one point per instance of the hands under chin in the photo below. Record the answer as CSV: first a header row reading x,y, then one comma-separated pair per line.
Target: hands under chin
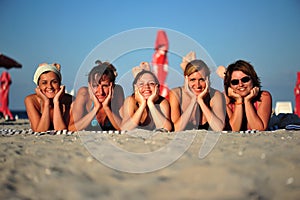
x,y
94,98
109,96
41,95
188,90
139,97
150,100
233,94
154,96
253,93
205,92
60,93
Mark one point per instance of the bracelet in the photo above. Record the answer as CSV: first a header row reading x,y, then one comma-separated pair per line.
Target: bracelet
x,y
238,103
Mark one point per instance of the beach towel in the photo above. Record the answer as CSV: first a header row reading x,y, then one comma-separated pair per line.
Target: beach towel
x,y
287,121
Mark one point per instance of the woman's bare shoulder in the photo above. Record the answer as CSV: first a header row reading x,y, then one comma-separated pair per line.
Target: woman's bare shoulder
x,y
31,98
165,102
216,94
118,87
118,92
82,96
265,96
214,91
265,93
176,92
83,91
130,99
130,103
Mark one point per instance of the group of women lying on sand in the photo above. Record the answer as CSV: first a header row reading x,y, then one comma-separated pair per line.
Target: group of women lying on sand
x,y
196,105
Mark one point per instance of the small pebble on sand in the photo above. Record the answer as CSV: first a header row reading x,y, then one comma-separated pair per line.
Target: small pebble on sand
x,y
289,180
47,171
89,159
263,156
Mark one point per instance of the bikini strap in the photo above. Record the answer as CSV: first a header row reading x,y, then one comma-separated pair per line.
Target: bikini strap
x,y
180,89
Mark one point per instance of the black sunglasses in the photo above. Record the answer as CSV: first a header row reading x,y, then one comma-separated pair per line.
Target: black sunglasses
x,y
245,79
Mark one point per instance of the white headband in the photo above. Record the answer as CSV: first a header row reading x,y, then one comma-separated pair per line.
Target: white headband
x,y
45,68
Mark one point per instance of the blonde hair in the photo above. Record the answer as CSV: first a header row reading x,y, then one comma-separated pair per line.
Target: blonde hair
x,y
195,66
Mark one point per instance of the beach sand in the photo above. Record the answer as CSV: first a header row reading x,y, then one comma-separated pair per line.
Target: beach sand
x,y
262,165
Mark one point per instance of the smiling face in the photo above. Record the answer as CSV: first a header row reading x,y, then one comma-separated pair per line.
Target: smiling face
x,y
244,85
100,87
146,85
49,84
197,82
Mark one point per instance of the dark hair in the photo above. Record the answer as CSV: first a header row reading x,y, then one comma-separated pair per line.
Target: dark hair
x,y
104,70
195,66
99,62
59,79
246,68
141,73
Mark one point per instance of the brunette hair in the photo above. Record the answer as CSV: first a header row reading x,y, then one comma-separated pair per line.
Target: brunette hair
x,y
141,73
104,70
246,68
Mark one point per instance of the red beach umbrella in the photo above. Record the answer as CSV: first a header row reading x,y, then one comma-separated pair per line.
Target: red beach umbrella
x,y
160,61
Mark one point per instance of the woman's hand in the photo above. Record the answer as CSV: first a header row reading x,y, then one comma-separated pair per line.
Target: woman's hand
x,y
204,93
153,97
59,94
109,95
94,98
234,95
41,95
139,97
188,90
253,93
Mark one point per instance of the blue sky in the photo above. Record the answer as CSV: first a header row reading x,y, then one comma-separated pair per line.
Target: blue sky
x,y
264,32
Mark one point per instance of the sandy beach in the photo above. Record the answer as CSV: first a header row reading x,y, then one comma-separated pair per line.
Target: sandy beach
x,y
262,165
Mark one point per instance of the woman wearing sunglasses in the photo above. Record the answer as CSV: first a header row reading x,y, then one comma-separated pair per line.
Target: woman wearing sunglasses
x,y
248,107
145,108
196,105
